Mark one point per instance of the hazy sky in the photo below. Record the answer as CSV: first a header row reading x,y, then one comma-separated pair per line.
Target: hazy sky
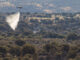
x,y
47,6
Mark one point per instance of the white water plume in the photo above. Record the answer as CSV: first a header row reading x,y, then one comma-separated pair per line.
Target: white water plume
x,y
13,20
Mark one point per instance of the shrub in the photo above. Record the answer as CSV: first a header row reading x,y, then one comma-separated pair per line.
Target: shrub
x,y
28,49
20,42
72,36
14,51
3,51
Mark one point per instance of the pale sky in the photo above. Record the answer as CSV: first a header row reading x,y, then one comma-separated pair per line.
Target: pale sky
x,y
48,6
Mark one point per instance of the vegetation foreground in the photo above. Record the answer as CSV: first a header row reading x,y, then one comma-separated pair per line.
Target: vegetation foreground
x,y
37,48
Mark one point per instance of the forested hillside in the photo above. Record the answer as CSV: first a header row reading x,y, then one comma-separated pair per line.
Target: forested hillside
x,y
41,36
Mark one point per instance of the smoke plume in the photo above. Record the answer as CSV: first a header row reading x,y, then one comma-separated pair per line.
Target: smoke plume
x,y
13,20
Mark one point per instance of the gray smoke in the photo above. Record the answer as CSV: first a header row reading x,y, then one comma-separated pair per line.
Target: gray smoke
x,y
13,20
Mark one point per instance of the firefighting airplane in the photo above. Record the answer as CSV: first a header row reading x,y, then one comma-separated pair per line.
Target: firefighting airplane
x,y
13,19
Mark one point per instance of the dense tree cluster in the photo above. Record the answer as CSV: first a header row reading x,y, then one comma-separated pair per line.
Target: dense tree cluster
x,y
48,51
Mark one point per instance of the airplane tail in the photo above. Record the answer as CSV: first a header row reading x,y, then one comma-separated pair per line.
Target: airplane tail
x,y
13,20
